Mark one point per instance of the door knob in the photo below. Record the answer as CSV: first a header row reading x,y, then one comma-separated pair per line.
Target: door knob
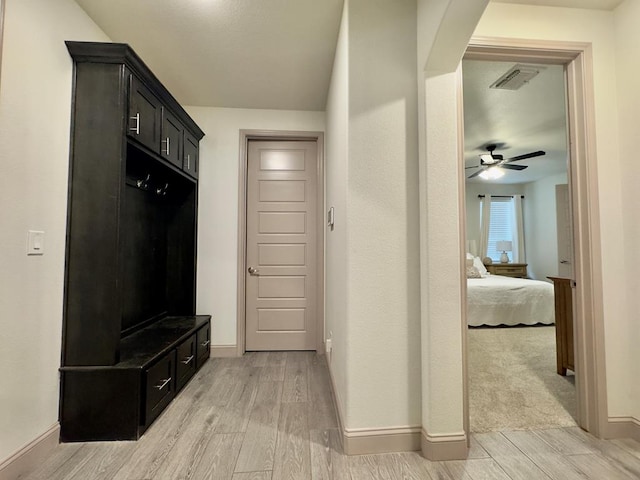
x,y
253,271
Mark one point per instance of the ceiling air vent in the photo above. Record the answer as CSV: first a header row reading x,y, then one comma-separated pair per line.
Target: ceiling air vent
x,y
516,77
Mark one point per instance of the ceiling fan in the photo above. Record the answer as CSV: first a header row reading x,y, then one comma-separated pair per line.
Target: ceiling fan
x,y
495,160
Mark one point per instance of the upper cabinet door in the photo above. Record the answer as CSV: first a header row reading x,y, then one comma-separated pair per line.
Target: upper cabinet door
x,y
171,141
190,157
144,115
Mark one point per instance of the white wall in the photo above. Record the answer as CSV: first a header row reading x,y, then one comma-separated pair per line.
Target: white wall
x,y
218,204
625,332
383,307
597,28
441,257
336,255
35,109
375,156
540,226
444,28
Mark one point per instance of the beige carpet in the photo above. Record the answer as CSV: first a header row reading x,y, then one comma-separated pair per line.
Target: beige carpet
x,y
513,384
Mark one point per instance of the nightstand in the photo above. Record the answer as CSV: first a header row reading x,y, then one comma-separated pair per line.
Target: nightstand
x,y
518,270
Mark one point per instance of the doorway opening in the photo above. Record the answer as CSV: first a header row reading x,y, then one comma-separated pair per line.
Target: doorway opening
x,y
575,60
516,157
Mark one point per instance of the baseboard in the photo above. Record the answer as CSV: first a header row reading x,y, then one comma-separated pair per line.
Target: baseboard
x,y
623,427
374,440
224,351
381,440
444,447
31,455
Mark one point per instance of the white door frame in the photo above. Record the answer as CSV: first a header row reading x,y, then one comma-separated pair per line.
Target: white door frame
x,y
588,310
245,137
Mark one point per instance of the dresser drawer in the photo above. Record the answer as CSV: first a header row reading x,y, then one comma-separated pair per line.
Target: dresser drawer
x,y
159,386
185,361
203,342
508,269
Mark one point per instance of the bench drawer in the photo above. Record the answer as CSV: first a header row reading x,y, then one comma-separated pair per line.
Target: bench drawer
x,y
185,361
159,386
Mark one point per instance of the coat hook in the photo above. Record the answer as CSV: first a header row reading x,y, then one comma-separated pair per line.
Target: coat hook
x,y
144,183
162,190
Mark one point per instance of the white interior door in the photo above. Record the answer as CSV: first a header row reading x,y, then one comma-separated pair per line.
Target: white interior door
x,y
565,234
281,282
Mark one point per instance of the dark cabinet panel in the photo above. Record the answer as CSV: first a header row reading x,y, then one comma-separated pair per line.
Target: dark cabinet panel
x,y
190,157
171,142
185,361
144,115
203,343
160,386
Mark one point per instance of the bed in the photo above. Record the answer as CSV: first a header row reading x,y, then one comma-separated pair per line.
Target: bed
x,y
497,300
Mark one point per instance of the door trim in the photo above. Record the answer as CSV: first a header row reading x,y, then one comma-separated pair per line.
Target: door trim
x,y
588,318
245,136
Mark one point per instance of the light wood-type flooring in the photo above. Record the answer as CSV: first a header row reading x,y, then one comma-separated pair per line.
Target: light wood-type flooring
x,y
271,416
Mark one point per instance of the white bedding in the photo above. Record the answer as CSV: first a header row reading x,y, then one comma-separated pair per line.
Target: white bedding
x,y
497,300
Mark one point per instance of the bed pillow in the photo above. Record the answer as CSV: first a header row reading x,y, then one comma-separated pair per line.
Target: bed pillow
x,y
480,266
472,272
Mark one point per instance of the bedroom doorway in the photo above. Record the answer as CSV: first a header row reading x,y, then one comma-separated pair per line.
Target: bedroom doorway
x,y
540,258
515,159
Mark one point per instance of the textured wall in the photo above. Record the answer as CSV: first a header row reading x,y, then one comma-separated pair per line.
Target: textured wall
x,y
383,252
218,204
625,332
337,281
35,98
541,226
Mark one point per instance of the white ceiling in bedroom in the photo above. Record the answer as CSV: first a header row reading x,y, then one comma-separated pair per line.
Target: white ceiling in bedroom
x,y
518,121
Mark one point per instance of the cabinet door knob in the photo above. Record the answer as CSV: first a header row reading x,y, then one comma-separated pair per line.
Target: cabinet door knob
x,y
188,161
167,142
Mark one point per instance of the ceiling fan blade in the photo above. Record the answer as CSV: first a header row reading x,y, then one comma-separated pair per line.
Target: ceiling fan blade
x,y
514,167
475,166
539,153
475,174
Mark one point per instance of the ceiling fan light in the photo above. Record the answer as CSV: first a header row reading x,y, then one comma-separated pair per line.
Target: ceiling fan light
x,y
491,174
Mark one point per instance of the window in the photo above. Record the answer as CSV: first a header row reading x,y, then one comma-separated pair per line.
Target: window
x,y
501,225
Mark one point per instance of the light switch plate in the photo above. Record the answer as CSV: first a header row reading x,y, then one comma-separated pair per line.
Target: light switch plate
x,y
35,242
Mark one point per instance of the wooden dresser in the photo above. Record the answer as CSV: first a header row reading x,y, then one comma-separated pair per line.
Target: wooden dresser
x,y
518,270
564,323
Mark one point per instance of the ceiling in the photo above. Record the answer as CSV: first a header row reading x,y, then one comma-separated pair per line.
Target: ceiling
x,y
278,54
271,54
519,121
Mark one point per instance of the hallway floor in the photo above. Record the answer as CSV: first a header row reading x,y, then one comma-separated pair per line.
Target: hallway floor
x,y
271,416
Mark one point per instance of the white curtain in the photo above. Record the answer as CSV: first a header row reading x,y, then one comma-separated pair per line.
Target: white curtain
x,y
518,232
484,225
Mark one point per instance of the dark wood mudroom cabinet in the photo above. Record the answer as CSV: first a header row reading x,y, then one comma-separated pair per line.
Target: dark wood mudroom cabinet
x,y
131,339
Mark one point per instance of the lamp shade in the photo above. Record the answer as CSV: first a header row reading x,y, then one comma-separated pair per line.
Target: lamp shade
x,y
503,246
